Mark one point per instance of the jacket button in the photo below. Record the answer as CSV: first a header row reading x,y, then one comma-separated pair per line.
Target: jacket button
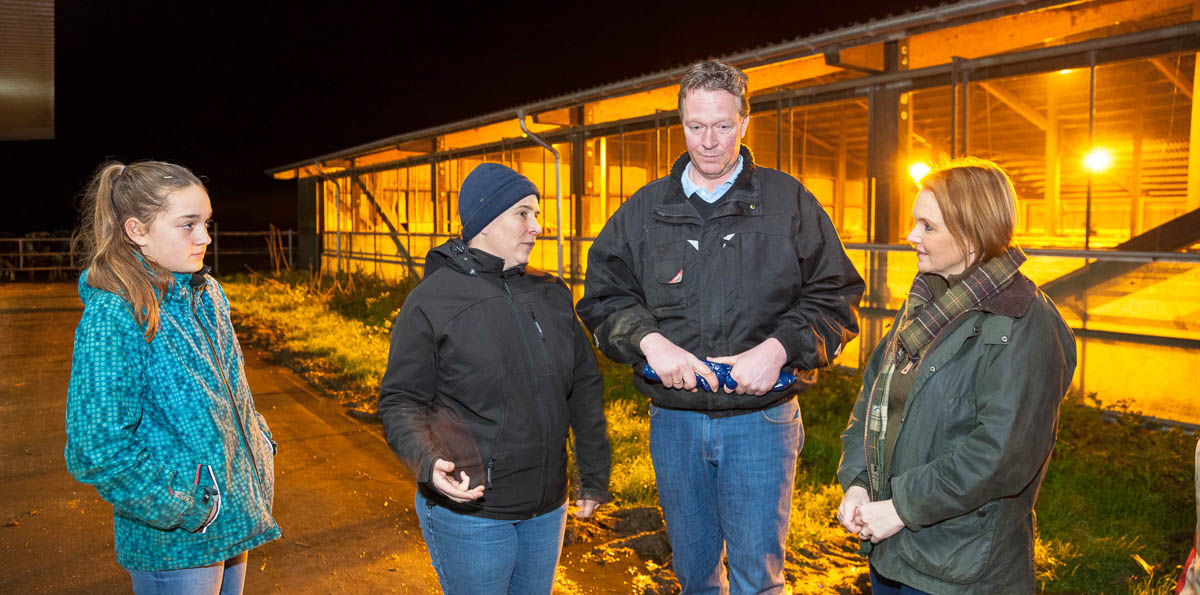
x,y
933,368
1004,339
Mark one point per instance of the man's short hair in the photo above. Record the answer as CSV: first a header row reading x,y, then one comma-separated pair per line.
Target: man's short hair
x,y
714,75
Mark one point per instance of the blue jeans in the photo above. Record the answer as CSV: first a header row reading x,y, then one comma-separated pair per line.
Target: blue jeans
x,y
224,578
725,486
489,556
881,585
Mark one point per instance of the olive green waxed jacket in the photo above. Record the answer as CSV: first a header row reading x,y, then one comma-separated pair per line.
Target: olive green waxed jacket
x,y
974,440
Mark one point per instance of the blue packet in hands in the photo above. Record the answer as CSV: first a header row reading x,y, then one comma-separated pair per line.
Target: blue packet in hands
x,y
724,379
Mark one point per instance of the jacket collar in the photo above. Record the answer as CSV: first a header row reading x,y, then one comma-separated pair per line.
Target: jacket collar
x,y
181,283
457,256
1012,301
743,198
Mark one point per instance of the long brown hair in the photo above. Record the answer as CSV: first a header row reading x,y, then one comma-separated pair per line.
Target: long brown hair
x,y
116,193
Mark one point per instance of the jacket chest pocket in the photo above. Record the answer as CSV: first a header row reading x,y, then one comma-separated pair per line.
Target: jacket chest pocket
x,y
665,287
766,261
541,350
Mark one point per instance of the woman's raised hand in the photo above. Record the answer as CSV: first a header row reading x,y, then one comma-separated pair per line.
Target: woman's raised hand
x,y
444,482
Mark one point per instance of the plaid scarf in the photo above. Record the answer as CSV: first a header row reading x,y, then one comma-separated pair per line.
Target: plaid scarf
x,y
922,319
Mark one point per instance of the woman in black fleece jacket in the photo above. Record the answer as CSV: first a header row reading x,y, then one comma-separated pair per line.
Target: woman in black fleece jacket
x,y
488,371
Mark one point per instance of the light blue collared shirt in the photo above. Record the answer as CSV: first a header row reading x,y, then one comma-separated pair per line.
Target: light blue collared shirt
x,y
690,187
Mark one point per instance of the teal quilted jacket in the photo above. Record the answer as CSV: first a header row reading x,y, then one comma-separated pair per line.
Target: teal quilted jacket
x,y
167,431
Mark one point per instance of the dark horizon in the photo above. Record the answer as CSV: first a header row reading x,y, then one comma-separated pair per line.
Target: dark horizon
x,y
233,90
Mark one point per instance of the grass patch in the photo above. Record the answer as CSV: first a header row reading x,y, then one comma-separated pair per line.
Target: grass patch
x,y
329,330
1117,490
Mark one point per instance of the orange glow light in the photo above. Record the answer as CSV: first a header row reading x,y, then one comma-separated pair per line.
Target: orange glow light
x,y
1097,160
918,170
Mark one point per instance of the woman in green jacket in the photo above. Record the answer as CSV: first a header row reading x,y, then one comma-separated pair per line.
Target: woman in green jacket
x,y
159,416
952,431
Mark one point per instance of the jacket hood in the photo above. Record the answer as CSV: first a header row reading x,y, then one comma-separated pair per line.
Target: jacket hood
x,y
455,254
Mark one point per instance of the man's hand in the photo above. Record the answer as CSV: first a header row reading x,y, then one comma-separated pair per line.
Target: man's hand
x,y
445,483
756,370
879,520
585,508
847,513
676,367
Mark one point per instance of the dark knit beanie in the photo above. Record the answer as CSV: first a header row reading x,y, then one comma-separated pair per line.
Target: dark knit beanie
x,y
488,191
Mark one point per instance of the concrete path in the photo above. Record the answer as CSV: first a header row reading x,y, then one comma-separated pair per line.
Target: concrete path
x,y
342,499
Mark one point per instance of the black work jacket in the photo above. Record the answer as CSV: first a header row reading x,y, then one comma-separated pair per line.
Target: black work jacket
x,y
489,369
767,263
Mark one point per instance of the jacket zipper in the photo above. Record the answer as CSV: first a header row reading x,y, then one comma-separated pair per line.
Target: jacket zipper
x,y
536,386
953,324
542,338
229,391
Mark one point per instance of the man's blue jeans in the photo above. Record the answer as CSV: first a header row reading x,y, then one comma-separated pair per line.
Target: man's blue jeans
x,y
492,557
726,484
223,578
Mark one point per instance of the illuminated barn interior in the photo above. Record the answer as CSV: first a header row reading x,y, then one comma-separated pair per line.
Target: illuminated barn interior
x,y
1088,104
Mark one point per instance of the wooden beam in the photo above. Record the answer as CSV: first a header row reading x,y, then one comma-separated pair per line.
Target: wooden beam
x,y
1024,109
1184,87
1031,29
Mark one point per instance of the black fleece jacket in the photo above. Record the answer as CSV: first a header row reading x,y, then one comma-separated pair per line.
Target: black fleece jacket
x,y
766,263
489,369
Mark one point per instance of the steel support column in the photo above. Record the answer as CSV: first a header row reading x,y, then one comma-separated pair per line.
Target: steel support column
x,y
1137,203
307,218
1052,194
578,192
882,150
1193,179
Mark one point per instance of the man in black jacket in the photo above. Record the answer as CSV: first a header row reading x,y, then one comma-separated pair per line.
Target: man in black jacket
x,y
738,264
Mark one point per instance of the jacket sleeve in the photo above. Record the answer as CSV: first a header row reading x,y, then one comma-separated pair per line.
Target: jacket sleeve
x,y
104,409
825,316
586,406
852,467
613,304
407,390
1017,400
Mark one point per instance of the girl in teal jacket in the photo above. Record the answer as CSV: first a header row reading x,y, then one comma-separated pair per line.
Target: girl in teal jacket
x,y
159,416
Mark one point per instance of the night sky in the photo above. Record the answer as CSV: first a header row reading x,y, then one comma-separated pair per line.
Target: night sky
x,y
232,89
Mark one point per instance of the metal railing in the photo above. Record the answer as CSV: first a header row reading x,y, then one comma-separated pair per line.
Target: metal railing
x,y
50,254
56,255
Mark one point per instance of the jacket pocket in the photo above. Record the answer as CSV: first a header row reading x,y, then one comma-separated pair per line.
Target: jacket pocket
x,y
266,467
784,413
666,290
956,550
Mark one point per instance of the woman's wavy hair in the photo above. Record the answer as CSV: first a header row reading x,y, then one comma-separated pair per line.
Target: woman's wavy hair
x,y
978,203
116,193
